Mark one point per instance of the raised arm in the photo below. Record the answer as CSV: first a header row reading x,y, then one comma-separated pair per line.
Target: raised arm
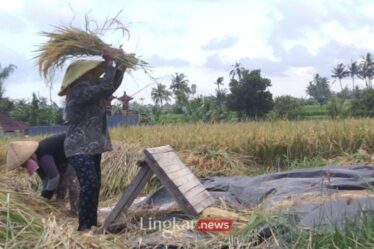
x,y
84,91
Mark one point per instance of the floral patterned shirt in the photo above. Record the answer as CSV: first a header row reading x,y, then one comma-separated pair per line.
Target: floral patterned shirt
x,y
87,132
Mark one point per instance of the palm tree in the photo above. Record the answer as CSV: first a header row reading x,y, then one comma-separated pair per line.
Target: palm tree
x,y
220,95
366,69
219,82
179,82
193,90
353,71
4,73
237,70
160,94
339,72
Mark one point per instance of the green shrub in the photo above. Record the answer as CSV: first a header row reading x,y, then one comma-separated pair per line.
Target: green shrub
x,y
287,107
363,104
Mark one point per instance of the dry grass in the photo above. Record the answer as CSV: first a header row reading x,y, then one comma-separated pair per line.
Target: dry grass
x,y
214,163
119,169
27,221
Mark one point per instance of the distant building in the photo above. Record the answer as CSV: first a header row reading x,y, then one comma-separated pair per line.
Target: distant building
x,y
9,125
125,99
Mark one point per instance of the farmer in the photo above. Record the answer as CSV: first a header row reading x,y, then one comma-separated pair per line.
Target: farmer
x,y
87,134
47,159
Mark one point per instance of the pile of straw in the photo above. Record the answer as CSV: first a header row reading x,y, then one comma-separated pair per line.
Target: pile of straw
x,y
69,42
118,170
29,221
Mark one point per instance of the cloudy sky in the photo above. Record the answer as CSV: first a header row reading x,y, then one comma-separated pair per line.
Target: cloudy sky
x,y
289,41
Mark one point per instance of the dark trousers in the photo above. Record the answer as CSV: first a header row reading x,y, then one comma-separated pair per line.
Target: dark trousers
x,y
87,168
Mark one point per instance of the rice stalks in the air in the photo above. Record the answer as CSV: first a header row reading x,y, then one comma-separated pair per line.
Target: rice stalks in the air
x,y
67,42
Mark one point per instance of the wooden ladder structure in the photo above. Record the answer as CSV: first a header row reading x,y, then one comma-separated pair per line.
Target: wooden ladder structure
x,y
182,184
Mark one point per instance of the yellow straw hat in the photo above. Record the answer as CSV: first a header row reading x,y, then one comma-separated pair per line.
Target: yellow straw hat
x,y
77,69
19,152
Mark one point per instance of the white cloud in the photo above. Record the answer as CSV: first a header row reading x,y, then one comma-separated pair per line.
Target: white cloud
x,y
11,6
290,40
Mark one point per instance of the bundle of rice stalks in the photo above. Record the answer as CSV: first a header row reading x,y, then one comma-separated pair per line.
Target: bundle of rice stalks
x,y
67,42
207,162
119,168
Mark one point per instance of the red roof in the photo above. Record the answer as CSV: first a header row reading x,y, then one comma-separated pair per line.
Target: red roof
x,y
9,124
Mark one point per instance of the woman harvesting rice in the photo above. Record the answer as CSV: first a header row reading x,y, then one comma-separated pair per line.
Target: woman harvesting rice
x,y
47,159
87,134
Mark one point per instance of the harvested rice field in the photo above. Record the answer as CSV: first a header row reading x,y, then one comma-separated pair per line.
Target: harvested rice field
x,y
227,149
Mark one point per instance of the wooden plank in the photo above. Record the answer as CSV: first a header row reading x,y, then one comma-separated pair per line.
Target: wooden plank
x,y
204,204
202,201
202,196
168,160
188,185
170,163
178,179
128,197
180,173
188,178
194,193
172,188
166,157
171,169
172,166
161,149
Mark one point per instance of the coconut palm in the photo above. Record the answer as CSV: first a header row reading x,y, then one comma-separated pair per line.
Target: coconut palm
x,y
353,71
179,82
366,69
220,95
237,70
4,73
193,90
219,82
339,73
160,94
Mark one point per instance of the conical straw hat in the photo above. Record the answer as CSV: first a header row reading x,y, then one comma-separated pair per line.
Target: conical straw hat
x,y
19,152
77,69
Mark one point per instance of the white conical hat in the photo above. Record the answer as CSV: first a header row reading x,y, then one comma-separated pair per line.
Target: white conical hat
x,y
19,152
